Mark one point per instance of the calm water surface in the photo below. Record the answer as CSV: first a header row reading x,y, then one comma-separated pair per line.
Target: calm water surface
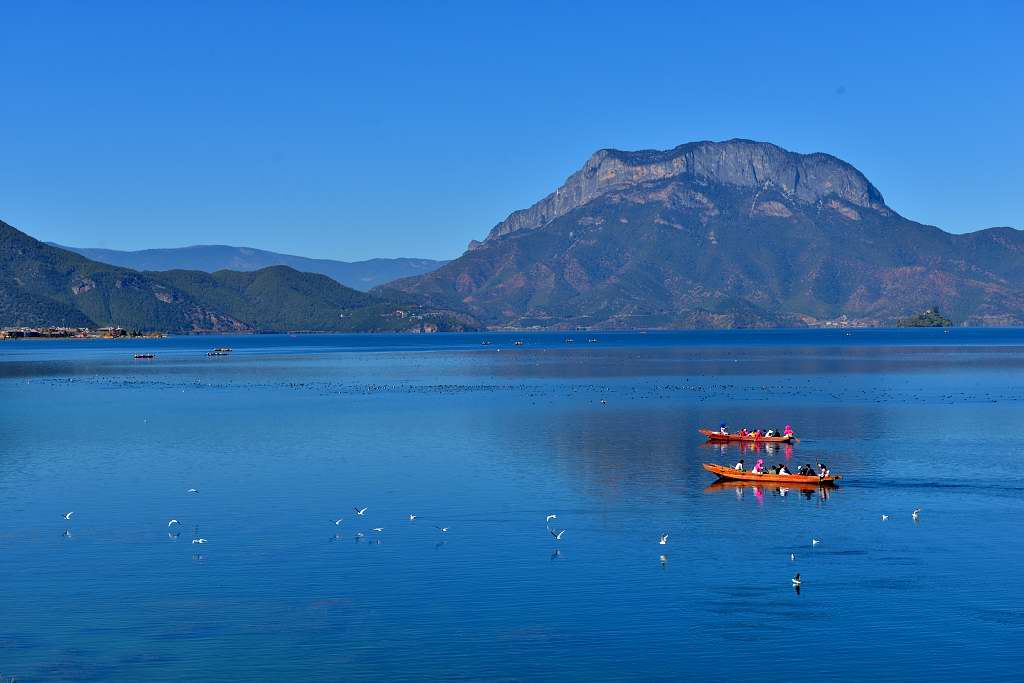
x,y
287,434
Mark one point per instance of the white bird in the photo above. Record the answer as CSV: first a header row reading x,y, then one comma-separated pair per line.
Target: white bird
x,y
885,517
557,535
663,540
172,523
359,534
360,512
377,529
796,579
412,518
916,513
664,559
67,515
338,522
792,557
442,529
192,491
604,402
549,518
815,541
199,540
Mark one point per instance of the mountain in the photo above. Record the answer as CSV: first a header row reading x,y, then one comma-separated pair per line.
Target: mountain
x,y
361,275
724,234
43,285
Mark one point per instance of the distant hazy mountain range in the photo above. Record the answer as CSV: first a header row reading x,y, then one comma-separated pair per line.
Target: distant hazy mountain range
x,y
361,275
724,234
44,285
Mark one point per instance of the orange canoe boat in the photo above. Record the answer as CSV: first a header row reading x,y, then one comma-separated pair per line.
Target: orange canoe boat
x,y
724,472
718,436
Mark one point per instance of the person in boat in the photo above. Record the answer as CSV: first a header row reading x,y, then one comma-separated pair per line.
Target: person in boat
x,y
722,429
769,433
788,431
743,432
758,466
783,470
806,470
822,470
739,466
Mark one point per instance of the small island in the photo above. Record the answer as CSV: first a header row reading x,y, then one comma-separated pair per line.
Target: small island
x,y
930,318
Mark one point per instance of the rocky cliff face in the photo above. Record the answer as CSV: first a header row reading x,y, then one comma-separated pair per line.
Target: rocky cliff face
x,y
807,178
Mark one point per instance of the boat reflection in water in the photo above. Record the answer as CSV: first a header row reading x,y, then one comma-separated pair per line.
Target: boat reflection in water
x,y
742,447
759,491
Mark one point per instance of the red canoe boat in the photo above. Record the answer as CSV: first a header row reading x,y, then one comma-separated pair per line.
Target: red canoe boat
x,y
718,436
724,472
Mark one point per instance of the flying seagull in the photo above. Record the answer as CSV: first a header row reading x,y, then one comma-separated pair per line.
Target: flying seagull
x,y
663,540
916,513
377,529
885,517
549,518
815,541
796,579
172,523
199,540
338,522
67,515
557,535
192,491
360,512
412,518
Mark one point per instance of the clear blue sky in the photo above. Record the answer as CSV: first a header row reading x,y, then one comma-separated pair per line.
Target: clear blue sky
x,y
350,131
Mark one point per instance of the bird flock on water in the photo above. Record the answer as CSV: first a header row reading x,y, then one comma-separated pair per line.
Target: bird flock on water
x,y
557,534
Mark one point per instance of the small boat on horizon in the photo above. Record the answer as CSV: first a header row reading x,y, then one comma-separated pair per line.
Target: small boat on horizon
x,y
223,349
216,352
144,356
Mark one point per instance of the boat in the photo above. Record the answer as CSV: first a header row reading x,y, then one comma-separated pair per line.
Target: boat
x,y
144,356
216,353
486,343
569,340
517,343
592,340
223,349
718,436
725,472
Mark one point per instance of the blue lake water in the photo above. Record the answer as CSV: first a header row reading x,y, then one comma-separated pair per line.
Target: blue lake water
x,y
289,433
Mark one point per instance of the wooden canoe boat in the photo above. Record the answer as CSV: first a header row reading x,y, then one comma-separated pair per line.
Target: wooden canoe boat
x,y
718,436
724,472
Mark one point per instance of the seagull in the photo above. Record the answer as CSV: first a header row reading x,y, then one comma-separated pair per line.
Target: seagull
x,y
412,518
557,535
663,540
442,529
192,491
792,557
549,518
172,522
885,517
338,522
815,541
604,402
67,515
664,559
360,534
67,533
199,540
796,579
916,513
361,512
377,529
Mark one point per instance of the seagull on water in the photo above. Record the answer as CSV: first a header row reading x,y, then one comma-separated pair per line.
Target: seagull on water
x,y
360,511
172,523
192,491
360,534
412,518
199,540
916,513
796,579
604,402
885,518
338,522
557,534
549,518
663,539
792,557
815,541
442,529
67,515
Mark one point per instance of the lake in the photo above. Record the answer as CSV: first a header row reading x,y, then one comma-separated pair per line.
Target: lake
x,y
288,434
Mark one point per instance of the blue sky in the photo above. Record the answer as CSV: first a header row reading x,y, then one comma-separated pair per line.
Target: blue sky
x,y
349,131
